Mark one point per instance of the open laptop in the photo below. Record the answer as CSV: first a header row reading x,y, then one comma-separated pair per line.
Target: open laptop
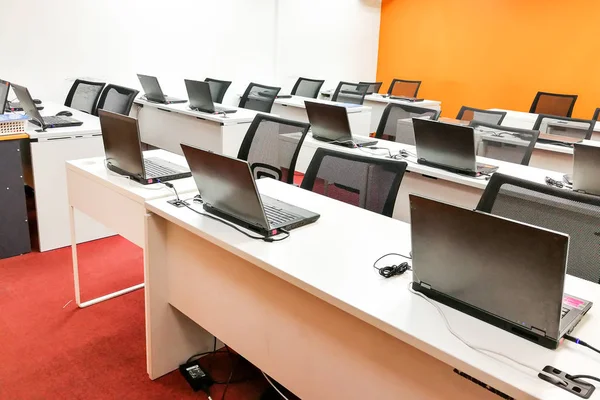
x,y
154,93
4,89
330,123
124,155
34,114
201,99
503,272
586,167
448,146
229,191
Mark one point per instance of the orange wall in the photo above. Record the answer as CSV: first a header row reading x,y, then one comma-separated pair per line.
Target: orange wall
x,y
493,53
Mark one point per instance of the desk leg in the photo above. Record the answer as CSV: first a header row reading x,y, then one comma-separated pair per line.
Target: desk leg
x,y
76,271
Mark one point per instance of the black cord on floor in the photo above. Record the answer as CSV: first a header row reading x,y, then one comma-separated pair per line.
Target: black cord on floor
x,y
392,270
581,342
230,374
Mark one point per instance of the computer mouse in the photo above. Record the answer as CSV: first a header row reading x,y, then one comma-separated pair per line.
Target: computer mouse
x,y
37,101
64,114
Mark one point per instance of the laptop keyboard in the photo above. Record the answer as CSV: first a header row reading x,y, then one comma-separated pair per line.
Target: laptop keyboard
x,y
564,312
52,120
156,171
277,216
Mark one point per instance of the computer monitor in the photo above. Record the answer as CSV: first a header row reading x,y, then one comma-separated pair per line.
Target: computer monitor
x,y
4,89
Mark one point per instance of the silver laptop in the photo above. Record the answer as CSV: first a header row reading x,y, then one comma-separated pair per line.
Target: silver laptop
x,y
154,93
586,168
504,272
201,99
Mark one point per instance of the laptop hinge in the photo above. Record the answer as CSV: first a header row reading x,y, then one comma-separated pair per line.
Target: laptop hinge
x,y
538,331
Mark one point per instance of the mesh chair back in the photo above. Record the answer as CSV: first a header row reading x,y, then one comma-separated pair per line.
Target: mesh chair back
x,y
259,97
366,182
564,126
347,92
271,146
217,89
475,114
561,210
553,104
400,87
373,86
83,95
396,122
503,143
307,87
117,99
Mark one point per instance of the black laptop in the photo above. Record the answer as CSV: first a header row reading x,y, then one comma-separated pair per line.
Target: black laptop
x,y
503,272
153,92
201,99
448,146
586,164
229,191
330,123
34,114
124,155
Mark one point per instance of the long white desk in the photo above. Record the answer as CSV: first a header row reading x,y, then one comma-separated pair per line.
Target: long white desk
x,y
45,172
294,108
167,125
323,322
431,182
115,202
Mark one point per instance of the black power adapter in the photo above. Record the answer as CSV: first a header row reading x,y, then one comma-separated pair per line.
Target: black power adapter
x,y
195,376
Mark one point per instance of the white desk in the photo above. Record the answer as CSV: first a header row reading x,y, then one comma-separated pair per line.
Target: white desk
x,y
166,126
115,202
420,179
45,172
378,103
318,320
295,109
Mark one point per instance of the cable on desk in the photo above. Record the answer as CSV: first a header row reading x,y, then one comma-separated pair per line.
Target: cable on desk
x,y
392,270
263,238
364,149
274,387
575,377
482,350
581,342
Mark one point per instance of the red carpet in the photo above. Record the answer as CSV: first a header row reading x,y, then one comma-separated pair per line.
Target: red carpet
x,y
51,352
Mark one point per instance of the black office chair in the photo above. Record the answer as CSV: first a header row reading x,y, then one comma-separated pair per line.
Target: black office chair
x,y
366,182
476,114
564,126
307,87
549,207
117,99
271,146
553,104
396,122
347,92
503,143
84,95
401,87
373,86
259,97
217,89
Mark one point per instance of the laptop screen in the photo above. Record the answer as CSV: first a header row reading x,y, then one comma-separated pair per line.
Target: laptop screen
x,y
505,268
226,184
27,103
199,95
4,88
122,142
586,164
151,88
328,121
445,144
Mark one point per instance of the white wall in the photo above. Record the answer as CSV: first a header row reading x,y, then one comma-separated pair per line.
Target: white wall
x,y
239,40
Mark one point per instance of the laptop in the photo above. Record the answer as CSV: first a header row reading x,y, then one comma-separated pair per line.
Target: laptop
x,y
4,89
500,271
124,156
229,191
34,114
448,146
330,123
154,93
586,164
201,99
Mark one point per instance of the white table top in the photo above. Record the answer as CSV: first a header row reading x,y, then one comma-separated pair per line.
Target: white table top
x,y
241,116
342,276
525,172
91,124
380,99
94,168
298,101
